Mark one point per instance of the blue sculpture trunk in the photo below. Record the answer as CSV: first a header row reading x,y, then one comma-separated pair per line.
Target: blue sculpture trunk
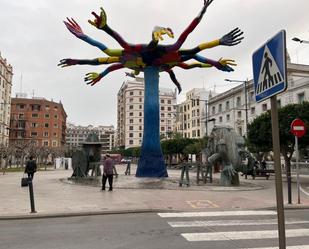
x,y
151,162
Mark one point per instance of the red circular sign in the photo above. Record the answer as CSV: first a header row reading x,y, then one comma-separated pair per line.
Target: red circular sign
x,y
298,128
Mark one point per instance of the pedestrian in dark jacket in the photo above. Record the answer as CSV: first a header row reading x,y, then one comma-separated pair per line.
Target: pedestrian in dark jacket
x,y
31,167
108,165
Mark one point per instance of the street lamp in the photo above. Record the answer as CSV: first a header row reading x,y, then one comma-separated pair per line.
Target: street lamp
x,y
299,40
245,82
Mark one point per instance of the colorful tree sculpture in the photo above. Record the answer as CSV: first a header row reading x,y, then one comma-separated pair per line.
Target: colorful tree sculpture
x,y
151,59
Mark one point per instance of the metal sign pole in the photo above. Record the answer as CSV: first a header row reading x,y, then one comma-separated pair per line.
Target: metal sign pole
x,y
297,170
278,174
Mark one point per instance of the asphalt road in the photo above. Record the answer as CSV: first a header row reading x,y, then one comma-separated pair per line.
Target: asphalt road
x,y
216,230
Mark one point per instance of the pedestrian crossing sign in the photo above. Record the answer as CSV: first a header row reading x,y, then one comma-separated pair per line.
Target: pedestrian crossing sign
x,y
269,67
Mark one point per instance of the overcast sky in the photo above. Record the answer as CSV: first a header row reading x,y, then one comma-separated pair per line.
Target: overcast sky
x,y
33,39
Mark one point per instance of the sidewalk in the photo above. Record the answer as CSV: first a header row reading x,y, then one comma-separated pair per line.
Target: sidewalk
x,y
56,196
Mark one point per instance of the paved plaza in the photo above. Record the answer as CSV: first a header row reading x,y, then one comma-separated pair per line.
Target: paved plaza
x,y
57,196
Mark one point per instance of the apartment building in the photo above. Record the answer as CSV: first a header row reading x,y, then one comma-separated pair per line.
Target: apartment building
x,y
233,108
76,135
191,114
130,112
6,75
39,121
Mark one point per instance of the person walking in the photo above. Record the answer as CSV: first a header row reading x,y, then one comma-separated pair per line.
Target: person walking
x,y
108,166
31,167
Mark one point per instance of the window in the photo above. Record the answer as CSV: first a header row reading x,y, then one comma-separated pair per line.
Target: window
x,y
264,107
220,119
55,125
20,106
35,107
131,107
130,141
131,93
45,143
140,93
162,101
213,110
130,134
54,144
140,127
252,110
34,134
162,128
169,101
220,108
140,134
47,107
140,107
228,117
227,105
55,108
46,116
131,114
162,108
56,116
55,134
301,97
131,128
239,114
238,101
140,120
197,102
169,108
140,114
140,100
131,100
162,115
35,115
131,121
45,134
34,125
46,125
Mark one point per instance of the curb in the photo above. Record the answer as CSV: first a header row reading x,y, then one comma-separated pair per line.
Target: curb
x,y
77,214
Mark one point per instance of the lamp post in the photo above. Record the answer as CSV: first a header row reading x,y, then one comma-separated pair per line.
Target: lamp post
x,y
299,40
245,82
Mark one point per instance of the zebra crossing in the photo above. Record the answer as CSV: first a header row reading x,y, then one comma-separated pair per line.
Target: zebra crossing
x,y
239,226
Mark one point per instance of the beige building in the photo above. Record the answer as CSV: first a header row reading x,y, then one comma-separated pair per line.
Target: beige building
x,y
77,134
231,107
6,74
191,114
130,112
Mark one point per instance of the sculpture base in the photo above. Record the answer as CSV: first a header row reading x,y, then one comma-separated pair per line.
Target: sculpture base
x,y
150,165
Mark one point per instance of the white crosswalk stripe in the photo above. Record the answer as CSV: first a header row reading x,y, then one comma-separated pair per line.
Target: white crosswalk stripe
x,y
232,223
229,220
268,234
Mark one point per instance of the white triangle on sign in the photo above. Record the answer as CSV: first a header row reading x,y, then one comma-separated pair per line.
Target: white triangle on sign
x,y
270,74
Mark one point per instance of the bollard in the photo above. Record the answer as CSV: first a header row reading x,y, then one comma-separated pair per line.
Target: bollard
x,y
31,195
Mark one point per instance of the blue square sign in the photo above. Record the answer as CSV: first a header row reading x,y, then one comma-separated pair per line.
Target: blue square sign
x,y
269,67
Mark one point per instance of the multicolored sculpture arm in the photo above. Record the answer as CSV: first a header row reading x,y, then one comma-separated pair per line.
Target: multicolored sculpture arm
x,y
100,22
173,78
94,62
230,39
92,78
190,28
77,31
221,64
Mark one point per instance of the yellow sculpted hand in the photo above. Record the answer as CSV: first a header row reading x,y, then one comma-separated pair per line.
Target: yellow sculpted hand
x,y
99,21
158,32
92,78
225,62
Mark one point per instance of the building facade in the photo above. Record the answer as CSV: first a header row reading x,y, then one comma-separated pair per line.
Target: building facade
x,y
237,106
191,114
77,134
130,112
39,121
6,75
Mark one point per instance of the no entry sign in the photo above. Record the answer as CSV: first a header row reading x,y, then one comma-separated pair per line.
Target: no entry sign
x,y
298,128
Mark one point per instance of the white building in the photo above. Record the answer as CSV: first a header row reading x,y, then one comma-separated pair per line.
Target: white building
x,y
191,114
130,112
230,107
77,134
6,74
